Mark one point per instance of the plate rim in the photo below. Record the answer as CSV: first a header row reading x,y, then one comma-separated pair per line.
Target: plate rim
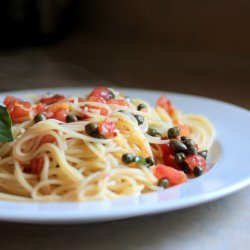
x,y
79,218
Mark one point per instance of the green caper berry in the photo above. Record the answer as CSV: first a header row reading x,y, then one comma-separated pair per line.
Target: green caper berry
x,y
203,153
71,118
152,132
141,106
179,158
189,142
192,150
91,128
184,138
186,169
173,132
39,118
139,119
111,95
139,160
150,161
177,146
198,170
128,158
163,182
122,111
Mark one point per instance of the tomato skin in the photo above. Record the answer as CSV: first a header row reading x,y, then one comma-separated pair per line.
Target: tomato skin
x,y
120,102
100,94
52,99
195,160
60,115
174,176
166,150
36,165
165,103
169,160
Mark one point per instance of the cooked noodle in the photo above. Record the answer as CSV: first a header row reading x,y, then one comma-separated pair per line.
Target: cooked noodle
x,y
79,167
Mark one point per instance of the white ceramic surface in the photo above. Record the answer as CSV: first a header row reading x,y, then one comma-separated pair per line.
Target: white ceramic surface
x,y
229,172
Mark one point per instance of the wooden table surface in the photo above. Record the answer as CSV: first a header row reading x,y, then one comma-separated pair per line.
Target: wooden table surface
x,y
80,61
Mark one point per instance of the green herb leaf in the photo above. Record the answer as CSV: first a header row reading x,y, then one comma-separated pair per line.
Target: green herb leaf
x,y
5,126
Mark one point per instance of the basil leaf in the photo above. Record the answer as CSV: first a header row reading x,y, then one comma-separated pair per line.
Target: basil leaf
x,y
5,125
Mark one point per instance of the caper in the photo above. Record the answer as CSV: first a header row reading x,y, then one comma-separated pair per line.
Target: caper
x,y
186,169
139,119
173,132
122,111
192,150
179,158
111,95
71,118
184,138
91,128
141,106
128,158
203,153
39,118
177,146
198,170
150,161
152,132
189,142
140,160
163,182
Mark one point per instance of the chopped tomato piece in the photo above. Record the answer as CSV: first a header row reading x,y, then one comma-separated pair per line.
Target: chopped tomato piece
x,y
37,165
195,160
165,148
169,160
60,115
11,99
168,156
57,106
100,94
52,99
174,176
107,129
120,102
164,102
19,111
39,108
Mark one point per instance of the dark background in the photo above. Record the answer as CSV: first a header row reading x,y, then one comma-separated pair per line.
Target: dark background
x,y
195,47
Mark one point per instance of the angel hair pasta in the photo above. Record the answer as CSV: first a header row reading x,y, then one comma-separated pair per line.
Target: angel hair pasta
x,y
102,146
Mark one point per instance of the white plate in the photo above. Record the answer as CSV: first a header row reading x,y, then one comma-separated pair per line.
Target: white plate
x,y
230,171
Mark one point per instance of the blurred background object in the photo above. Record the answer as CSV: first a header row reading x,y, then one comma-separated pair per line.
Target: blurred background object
x,y
29,22
191,46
